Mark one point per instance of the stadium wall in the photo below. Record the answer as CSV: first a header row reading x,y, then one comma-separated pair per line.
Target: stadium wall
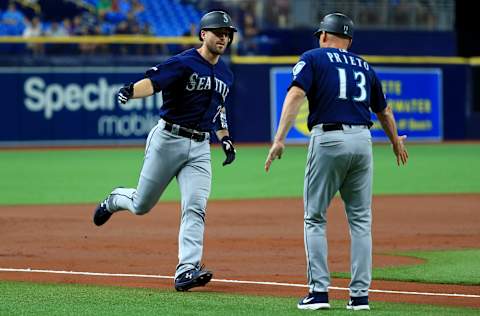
x,y
76,104
280,42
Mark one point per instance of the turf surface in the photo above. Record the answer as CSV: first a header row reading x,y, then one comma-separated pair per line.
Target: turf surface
x,y
86,176
447,266
20,298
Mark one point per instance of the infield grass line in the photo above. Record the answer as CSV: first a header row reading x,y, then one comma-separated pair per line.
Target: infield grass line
x,y
151,276
56,182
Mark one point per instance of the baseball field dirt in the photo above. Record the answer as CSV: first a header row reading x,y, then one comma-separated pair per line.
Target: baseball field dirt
x,y
255,240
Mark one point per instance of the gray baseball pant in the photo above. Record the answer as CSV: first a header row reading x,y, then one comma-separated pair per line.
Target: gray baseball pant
x,y
339,161
168,156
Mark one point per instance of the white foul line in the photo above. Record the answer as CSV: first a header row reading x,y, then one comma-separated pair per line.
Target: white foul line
x,y
127,275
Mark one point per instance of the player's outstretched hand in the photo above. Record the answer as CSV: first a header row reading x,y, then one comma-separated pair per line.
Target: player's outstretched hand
x,y
125,93
400,151
229,150
275,152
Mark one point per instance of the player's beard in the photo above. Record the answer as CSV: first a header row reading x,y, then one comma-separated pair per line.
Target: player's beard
x,y
214,49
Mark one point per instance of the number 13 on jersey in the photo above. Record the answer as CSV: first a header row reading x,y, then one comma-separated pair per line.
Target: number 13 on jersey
x,y
360,81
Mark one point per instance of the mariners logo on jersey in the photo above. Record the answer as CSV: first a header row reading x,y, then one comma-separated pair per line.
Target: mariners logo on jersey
x,y
297,68
192,90
195,82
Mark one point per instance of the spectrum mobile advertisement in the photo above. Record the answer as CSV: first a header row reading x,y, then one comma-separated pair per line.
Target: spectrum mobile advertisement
x,y
69,103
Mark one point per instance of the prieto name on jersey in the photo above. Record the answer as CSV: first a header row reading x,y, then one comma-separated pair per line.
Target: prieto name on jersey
x,y
343,58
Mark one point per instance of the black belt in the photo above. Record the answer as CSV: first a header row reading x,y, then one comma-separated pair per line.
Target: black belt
x,y
328,127
185,132
332,127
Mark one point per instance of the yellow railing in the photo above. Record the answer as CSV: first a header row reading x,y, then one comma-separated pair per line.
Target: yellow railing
x,y
115,39
474,61
186,40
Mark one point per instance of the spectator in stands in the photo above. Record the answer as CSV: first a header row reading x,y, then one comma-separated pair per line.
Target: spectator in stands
x,y
85,25
100,48
67,26
69,31
34,29
139,13
125,27
78,29
368,13
401,13
283,13
13,20
12,16
89,20
55,30
278,12
425,17
250,32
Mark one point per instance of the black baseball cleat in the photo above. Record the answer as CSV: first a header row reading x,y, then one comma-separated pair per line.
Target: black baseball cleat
x,y
102,214
314,300
192,278
358,303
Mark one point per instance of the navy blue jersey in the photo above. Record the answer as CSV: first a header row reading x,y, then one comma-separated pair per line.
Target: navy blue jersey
x,y
340,86
193,90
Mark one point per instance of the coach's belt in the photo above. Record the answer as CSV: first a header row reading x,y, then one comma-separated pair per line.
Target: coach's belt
x,y
185,132
328,127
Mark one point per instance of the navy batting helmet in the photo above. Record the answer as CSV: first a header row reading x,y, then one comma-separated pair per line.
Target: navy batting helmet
x,y
217,20
336,23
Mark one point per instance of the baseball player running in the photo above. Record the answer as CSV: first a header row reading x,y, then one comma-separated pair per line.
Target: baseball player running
x,y
341,88
195,85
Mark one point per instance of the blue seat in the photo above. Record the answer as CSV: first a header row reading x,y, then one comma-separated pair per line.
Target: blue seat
x,y
169,17
91,2
3,30
115,17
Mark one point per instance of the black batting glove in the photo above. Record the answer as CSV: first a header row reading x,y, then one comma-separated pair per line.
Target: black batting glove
x,y
229,150
125,93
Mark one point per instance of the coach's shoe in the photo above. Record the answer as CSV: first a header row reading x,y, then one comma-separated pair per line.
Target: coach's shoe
x,y
314,300
102,214
192,278
358,303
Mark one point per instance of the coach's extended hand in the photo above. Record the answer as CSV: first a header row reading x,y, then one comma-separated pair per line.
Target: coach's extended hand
x,y
229,150
125,93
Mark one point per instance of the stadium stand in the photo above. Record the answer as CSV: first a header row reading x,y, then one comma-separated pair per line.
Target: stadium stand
x,y
266,27
170,18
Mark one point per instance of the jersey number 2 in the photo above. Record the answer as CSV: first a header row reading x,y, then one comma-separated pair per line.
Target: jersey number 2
x,y
359,80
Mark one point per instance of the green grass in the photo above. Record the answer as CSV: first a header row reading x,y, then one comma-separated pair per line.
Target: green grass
x,y
447,266
20,298
86,176
431,169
